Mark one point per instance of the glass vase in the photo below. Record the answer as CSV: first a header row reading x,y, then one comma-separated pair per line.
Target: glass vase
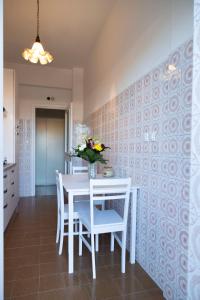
x,y
92,170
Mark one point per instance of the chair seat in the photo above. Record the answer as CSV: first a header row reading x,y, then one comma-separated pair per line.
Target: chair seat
x,y
79,208
101,218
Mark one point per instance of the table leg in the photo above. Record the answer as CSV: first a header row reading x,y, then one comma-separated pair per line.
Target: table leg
x,y
70,234
133,225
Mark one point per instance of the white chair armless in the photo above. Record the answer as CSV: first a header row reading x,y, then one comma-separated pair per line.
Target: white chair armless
x,y
62,214
106,221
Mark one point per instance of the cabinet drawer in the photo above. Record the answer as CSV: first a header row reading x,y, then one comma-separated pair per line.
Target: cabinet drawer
x,y
12,182
5,179
12,171
5,204
7,214
10,193
5,176
6,192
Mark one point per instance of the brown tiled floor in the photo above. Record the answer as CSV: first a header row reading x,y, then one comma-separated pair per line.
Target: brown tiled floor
x,y
35,271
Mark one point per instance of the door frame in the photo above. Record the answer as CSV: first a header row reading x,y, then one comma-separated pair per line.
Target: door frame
x,y
33,156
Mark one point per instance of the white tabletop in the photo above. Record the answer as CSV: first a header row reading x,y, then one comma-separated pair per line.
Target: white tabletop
x,y
76,182
81,182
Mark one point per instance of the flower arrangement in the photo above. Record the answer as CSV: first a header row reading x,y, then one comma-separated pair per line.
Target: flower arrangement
x,y
90,150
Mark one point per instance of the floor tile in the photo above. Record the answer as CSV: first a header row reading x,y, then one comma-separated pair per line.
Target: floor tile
x,y
52,282
27,297
76,293
8,289
154,294
128,285
9,274
27,272
103,289
25,287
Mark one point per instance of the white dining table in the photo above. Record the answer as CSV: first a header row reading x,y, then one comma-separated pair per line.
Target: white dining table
x,y
78,185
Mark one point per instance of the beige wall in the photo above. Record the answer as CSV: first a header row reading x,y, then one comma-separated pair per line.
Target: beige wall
x,y
137,36
43,77
77,94
35,96
37,75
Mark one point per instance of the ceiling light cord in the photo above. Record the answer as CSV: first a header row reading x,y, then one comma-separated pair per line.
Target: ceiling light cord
x,y
38,21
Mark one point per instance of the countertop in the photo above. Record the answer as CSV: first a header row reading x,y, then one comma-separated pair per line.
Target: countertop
x,y
8,166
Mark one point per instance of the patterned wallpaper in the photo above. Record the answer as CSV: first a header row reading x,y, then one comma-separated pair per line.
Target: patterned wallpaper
x,y
194,233
148,127
24,156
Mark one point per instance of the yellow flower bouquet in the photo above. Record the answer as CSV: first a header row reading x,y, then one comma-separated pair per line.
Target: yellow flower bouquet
x,y
91,150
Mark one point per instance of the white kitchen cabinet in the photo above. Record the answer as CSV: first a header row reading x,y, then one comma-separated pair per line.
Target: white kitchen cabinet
x,y
11,195
9,115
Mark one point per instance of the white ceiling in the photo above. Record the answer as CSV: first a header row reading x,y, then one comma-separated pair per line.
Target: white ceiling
x,y
68,28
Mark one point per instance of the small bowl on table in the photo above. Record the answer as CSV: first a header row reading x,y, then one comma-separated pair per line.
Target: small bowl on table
x,y
108,171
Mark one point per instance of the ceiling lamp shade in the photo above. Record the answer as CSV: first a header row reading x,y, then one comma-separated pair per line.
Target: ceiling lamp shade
x,y
37,53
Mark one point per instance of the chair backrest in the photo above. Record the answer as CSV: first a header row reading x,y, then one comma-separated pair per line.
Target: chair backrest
x,y
79,170
60,193
110,189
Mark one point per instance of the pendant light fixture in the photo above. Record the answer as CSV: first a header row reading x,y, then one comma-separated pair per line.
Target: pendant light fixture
x,y
36,53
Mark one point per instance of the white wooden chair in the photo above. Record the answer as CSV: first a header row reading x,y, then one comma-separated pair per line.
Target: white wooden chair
x,y
62,212
79,170
106,221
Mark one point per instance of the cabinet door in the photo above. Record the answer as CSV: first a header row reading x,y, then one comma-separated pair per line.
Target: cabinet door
x,y
9,115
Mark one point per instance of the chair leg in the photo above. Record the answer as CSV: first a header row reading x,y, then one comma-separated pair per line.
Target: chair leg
x,y
93,257
123,257
61,237
112,242
80,239
58,229
97,243
76,227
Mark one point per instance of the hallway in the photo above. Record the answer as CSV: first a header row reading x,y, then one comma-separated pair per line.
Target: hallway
x,y
35,271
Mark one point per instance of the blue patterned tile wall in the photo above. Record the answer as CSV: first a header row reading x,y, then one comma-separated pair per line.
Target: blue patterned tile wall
x,y
148,127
